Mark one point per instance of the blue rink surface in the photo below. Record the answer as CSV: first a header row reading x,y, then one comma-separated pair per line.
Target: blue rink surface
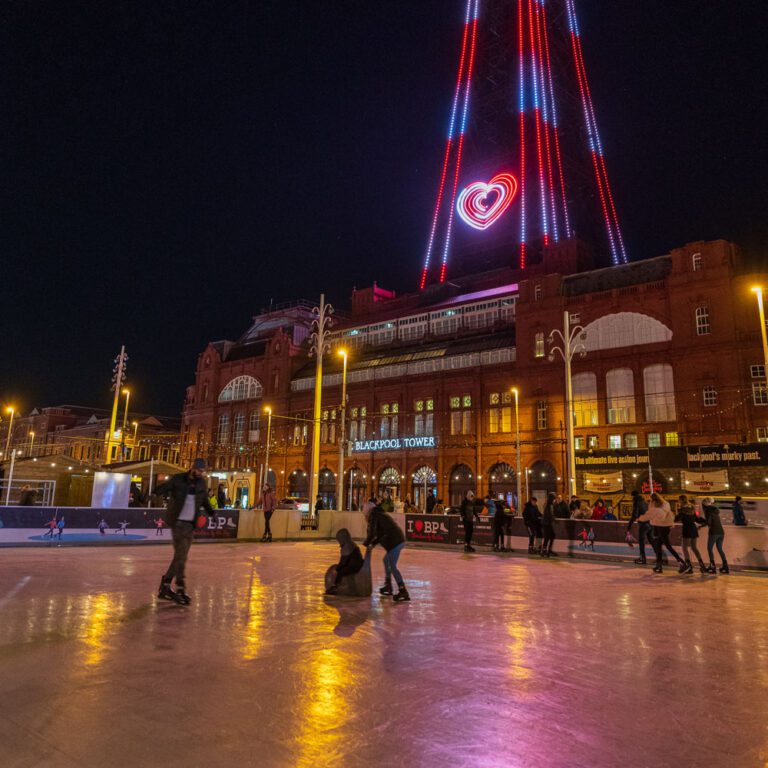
x,y
89,537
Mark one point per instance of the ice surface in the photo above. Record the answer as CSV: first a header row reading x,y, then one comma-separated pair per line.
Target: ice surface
x,y
497,661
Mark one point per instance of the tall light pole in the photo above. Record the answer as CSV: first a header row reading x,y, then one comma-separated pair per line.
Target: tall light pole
x,y
127,393
340,474
10,409
134,451
268,411
117,382
516,393
31,441
319,346
758,290
572,343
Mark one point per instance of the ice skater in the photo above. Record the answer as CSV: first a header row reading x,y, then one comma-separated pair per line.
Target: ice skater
x,y
350,562
532,521
382,529
159,526
122,528
468,517
102,526
644,529
548,526
60,527
716,534
51,526
187,495
686,515
662,518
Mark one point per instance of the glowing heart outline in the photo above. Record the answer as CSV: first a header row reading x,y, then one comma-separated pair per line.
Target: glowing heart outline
x,y
471,203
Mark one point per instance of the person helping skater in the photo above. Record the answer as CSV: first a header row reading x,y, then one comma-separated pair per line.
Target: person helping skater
x,y
187,494
662,518
382,529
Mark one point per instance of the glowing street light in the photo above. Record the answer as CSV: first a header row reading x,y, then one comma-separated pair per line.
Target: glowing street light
x,y
516,393
31,441
127,393
758,291
340,474
10,409
268,411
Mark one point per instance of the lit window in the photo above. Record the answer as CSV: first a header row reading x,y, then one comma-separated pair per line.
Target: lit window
x,y
238,428
672,438
461,415
585,400
759,393
630,441
614,441
654,440
620,387
223,432
659,386
697,262
757,371
539,345
762,434
702,321
579,443
500,412
710,397
593,441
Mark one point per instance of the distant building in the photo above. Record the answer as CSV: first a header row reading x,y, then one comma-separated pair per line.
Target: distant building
x,y
674,360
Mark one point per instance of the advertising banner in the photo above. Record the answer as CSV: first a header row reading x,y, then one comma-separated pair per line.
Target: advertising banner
x,y
746,455
605,483
714,481
435,529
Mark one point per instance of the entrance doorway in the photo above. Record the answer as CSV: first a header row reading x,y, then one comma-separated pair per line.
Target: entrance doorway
x,y
461,481
389,483
326,489
502,481
424,485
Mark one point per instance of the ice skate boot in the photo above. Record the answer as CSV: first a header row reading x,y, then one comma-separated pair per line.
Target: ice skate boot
x,y
711,568
683,567
689,568
640,561
386,589
181,597
658,568
725,568
402,596
263,538
165,592
703,568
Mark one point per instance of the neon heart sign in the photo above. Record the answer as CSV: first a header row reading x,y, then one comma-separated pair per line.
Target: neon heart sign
x,y
473,205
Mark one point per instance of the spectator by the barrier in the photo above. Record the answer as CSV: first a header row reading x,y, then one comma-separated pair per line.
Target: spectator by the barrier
x,y
598,511
431,501
574,506
548,526
495,508
686,515
532,521
221,496
662,518
439,508
468,516
267,503
609,515
716,534
213,499
739,518
644,529
562,509
28,496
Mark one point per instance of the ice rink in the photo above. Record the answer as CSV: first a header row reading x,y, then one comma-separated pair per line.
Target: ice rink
x,y
497,661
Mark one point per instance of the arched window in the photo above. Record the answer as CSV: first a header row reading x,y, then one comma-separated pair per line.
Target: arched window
x,y
697,262
620,384
241,388
298,483
624,329
223,432
424,485
659,385
461,480
585,400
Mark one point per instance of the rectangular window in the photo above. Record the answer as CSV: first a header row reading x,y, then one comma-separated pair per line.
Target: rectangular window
x,y
461,415
455,422
539,345
585,410
614,442
757,371
630,441
541,415
352,431
579,441
762,434
363,427
654,440
697,262
710,397
759,393
672,438
702,321
537,292
659,393
593,441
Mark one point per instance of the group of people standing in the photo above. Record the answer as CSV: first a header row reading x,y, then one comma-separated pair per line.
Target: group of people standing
x,y
655,520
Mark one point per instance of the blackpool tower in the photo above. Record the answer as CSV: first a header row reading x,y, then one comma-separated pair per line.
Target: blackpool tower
x,y
523,167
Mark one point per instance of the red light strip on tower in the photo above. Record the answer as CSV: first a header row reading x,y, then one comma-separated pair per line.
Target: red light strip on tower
x,y
537,116
448,146
521,73
554,120
459,150
545,102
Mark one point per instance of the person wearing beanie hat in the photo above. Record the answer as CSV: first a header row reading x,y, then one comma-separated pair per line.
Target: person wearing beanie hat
x,y
187,494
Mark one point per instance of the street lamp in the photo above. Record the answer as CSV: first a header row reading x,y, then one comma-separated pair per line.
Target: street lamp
x,y
127,393
572,340
268,411
340,475
516,393
12,411
758,290
31,441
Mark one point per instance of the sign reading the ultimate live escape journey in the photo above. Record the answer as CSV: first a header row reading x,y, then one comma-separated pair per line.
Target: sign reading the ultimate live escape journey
x,y
395,443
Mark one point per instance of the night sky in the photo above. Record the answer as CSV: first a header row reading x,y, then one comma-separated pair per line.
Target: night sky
x,y
169,167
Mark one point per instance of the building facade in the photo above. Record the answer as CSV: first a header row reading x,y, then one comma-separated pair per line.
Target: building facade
x,y
673,360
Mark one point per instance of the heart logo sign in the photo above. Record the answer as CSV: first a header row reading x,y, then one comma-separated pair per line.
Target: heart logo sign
x,y
481,204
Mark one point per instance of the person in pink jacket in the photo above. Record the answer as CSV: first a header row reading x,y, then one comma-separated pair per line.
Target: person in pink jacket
x,y
662,518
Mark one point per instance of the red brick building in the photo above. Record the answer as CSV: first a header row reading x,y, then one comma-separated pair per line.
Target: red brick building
x,y
674,359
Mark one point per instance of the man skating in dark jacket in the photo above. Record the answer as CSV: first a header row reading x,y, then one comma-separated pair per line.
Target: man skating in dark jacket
x,y
187,494
382,529
644,529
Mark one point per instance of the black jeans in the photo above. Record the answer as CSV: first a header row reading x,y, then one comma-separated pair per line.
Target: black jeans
x,y
661,533
717,539
267,529
498,535
183,533
644,531
531,535
549,537
469,528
